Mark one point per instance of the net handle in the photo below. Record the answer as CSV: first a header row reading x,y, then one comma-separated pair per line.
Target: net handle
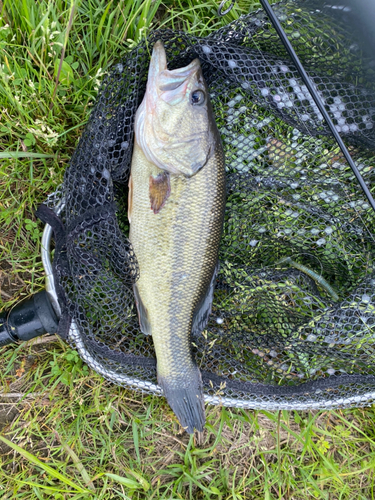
x,y
276,24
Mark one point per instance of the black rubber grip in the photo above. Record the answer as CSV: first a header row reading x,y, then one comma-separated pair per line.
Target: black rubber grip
x,y
31,318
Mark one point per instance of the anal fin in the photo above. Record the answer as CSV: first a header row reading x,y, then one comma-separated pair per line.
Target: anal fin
x,y
144,322
203,310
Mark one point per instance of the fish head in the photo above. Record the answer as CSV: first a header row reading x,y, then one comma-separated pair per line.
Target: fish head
x,y
174,125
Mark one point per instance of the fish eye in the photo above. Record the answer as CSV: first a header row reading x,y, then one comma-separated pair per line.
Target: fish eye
x,y
197,97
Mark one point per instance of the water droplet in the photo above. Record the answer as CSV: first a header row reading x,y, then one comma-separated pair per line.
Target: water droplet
x,y
206,49
321,242
366,298
124,145
231,63
219,321
265,91
253,243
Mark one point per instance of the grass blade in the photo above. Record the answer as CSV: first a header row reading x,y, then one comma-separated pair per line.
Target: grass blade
x,y
77,463
130,483
136,441
49,470
21,154
101,23
70,23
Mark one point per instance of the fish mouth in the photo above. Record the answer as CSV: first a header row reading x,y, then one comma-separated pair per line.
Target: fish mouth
x,y
172,85
175,78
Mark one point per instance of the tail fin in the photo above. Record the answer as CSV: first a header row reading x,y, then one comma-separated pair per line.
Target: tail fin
x,y
185,397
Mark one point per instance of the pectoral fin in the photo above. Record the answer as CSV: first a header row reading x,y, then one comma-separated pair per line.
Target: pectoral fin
x,y
160,189
144,322
204,307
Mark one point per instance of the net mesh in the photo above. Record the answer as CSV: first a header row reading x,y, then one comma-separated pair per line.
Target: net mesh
x,y
293,317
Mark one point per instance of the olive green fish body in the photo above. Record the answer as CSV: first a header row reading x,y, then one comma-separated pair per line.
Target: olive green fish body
x,y
176,244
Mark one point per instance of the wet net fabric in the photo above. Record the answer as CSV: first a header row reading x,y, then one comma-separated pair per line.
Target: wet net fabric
x,y
293,319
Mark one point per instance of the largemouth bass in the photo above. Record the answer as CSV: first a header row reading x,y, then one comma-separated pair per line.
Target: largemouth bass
x,y
176,210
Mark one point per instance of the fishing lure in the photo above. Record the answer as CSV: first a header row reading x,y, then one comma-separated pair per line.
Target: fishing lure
x,y
312,274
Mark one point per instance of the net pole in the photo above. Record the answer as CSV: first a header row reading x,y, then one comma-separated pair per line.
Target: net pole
x,y
276,24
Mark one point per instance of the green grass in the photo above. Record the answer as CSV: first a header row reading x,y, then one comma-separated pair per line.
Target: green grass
x,y
67,433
